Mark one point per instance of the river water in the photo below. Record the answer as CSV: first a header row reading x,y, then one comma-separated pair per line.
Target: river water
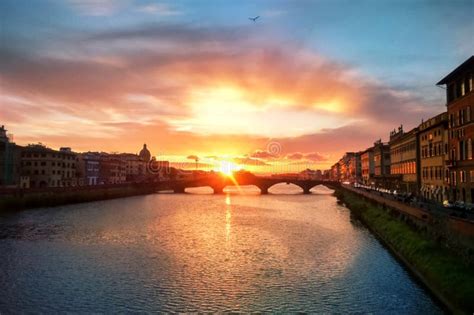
x,y
239,251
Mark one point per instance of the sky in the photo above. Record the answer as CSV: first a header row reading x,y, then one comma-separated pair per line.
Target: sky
x,y
304,83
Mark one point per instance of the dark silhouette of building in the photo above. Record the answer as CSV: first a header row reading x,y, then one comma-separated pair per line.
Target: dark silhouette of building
x,y
145,154
9,160
44,167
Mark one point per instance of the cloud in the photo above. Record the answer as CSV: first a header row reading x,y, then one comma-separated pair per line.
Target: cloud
x,y
313,156
161,9
316,157
193,157
195,89
97,7
295,156
248,161
260,154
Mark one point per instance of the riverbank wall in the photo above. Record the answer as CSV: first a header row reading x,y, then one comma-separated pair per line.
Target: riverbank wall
x,y
17,199
447,270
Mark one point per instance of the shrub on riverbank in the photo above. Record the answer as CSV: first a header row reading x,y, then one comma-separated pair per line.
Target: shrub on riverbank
x,y
443,271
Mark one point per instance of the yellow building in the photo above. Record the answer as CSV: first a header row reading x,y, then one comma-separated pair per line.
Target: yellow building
x,y
367,166
404,162
43,167
433,138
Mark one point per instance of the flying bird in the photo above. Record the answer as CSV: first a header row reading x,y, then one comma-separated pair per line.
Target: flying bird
x,y
255,18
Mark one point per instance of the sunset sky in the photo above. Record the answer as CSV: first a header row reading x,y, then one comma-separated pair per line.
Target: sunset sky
x,y
306,82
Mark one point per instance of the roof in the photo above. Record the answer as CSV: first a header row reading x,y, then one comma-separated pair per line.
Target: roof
x,y
403,136
466,65
434,122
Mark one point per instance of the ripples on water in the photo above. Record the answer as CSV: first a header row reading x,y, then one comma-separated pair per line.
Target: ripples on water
x,y
201,252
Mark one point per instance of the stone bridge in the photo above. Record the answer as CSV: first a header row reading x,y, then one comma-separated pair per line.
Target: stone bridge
x,y
218,182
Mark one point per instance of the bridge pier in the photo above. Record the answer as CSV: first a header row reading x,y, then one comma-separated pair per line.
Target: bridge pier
x,y
218,190
179,190
307,190
263,190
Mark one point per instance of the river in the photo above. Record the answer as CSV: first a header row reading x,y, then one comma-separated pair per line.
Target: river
x,y
282,252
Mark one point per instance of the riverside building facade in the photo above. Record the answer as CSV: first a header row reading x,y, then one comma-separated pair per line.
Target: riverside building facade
x,y
404,158
367,166
42,167
433,135
460,103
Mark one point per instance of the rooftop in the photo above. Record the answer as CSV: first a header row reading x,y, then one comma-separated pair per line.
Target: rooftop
x,y
466,65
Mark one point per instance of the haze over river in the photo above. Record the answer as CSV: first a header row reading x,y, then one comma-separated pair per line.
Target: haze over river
x,y
201,252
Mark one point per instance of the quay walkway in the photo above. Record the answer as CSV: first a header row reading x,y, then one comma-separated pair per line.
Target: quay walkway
x,y
464,226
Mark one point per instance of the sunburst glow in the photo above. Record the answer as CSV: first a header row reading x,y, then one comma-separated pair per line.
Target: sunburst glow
x,y
228,168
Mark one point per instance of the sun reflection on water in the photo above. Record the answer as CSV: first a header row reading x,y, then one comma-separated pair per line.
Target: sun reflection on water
x,y
228,216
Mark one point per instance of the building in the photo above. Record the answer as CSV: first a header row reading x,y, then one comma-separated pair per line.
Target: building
x,y
43,167
381,158
344,168
135,165
355,168
404,161
460,99
382,176
334,173
158,170
350,167
433,135
367,166
9,161
89,168
112,169
309,174
326,175
145,154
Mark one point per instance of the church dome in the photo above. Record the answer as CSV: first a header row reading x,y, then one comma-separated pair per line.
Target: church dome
x,y
145,155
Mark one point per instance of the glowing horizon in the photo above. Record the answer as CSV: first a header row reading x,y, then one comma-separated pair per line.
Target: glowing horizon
x,y
225,87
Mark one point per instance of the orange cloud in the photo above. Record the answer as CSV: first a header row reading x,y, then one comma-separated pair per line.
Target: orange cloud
x,y
185,90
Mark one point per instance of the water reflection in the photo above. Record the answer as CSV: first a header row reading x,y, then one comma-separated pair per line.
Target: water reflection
x,y
228,216
201,252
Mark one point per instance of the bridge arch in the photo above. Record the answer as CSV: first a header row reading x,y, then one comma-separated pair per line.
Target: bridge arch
x,y
218,184
199,190
273,187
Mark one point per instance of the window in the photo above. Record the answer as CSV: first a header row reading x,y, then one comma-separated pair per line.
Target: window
x,y
471,87
471,176
458,88
463,176
468,114
469,149
450,95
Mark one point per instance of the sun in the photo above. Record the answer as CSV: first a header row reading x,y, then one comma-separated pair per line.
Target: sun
x,y
228,168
